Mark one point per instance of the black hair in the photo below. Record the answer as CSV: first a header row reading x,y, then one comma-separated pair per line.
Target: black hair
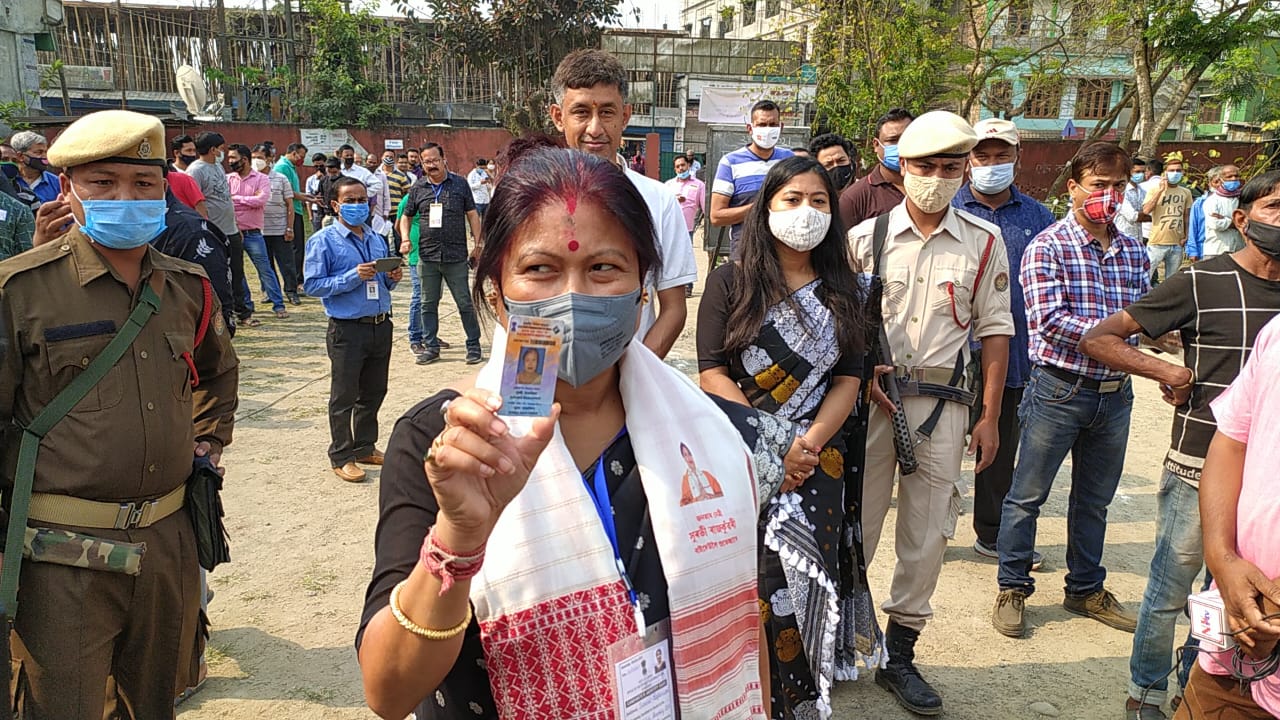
x,y
1259,187
431,145
758,282
333,162
827,140
207,141
242,150
318,157
480,162
1139,162
543,174
895,115
262,148
764,106
343,148
587,68
1099,156
295,147
1156,165
342,182
175,145
402,156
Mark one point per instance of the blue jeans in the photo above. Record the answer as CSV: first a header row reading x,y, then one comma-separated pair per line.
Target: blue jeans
x,y
455,275
256,247
1165,260
415,307
1060,417
1178,558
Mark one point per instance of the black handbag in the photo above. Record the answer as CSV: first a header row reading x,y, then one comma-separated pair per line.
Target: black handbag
x,y
204,503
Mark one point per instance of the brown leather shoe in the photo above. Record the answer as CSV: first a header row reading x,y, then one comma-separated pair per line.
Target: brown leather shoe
x,y
1102,606
373,458
349,472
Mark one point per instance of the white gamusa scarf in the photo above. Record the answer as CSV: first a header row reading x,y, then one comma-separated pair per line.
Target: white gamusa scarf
x,y
550,601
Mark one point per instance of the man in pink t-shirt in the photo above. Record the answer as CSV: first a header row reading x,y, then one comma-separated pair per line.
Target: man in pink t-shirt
x,y
1240,518
690,191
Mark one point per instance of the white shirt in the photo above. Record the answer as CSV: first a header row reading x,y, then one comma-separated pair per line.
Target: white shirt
x,y
1127,217
372,182
1220,236
1147,187
679,267
479,190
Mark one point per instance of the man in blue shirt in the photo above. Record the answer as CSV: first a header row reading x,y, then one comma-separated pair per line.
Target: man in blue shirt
x,y
339,269
35,183
992,196
741,172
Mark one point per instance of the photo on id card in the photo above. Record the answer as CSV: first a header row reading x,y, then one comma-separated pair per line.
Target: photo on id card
x,y
529,367
643,680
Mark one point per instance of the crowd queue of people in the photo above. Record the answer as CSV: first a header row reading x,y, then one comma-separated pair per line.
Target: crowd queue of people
x,y
665,548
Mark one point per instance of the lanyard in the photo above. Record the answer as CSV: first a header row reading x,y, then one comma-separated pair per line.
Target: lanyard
x,y
598,489
435,189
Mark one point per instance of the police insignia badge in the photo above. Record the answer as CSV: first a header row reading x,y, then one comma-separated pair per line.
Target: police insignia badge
x,y
218,325
144,149
1002,282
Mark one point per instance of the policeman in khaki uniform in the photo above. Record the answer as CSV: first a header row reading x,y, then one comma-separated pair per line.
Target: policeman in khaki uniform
x,y
946,275
113,470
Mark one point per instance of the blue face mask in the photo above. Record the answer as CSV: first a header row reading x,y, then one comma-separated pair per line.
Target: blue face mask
x,y
1231,185
683,175
991,179
891,159
122,224
1174,176
1137,178
354,214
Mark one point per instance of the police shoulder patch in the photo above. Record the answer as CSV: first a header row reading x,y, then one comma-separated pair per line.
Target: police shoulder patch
x,y
1002,282
219,326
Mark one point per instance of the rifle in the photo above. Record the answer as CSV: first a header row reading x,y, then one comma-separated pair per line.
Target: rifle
x,y
903,446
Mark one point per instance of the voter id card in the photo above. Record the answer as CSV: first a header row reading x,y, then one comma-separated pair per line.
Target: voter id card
x,y
435,215
529,367
643,680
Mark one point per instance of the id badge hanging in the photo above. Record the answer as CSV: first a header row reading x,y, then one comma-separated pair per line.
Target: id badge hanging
x,y
642,676
435,216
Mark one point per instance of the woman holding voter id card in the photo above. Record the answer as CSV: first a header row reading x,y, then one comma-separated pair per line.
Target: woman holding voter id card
x,y
783,330
536,555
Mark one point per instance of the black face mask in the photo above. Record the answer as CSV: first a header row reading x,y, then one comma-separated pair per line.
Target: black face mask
x,y
236,165
1265,237
188,159
10,169
348,162
37,163
841,175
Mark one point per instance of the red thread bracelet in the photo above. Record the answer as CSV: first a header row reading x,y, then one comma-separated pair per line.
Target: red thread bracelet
x,y
448,565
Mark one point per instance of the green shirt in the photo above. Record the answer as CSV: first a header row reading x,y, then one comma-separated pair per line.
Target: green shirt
x,y
413,232
285,168
17,226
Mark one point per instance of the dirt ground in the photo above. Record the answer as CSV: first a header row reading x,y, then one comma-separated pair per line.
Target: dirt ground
x,y
286,608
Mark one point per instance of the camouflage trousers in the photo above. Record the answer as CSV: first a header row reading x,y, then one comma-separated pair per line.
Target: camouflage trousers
x,y
78,626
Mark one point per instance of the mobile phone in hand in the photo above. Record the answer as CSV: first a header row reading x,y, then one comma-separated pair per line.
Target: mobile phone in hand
x,y
387,264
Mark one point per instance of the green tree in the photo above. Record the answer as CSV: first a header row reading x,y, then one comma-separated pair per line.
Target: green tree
x,y
873,55
1175,42
340,93
525,39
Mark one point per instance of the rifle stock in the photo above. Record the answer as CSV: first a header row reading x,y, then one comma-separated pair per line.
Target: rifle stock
x,y
903,446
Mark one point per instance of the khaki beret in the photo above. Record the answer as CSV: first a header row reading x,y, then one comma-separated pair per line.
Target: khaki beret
x,y
996,129
937,133
110,136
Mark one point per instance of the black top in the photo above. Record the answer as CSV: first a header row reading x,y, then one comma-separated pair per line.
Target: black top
x,y
1219,309
187,236
713,329
408,508
447,243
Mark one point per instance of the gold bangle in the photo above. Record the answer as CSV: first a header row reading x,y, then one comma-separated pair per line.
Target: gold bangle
x,y
1188,383
417,629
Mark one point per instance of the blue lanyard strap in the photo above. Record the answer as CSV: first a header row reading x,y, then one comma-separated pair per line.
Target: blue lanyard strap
x,y
598,489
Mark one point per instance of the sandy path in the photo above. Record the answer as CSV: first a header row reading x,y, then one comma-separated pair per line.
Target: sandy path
x,y
302,541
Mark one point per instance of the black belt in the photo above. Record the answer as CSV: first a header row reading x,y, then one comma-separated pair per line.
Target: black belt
x,y
1088,383
368,319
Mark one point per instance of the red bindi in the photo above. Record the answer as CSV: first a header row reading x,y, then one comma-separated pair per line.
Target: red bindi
x,y
573,246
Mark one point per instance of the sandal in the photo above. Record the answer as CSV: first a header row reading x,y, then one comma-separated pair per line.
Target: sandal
x,y
282,314
250,321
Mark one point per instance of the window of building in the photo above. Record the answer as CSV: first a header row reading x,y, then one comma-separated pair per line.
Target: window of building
x,y
1044,99
1210,111
688,29
704,29
1018,23
1000,96
1093,99
748,12
726,24
772,7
